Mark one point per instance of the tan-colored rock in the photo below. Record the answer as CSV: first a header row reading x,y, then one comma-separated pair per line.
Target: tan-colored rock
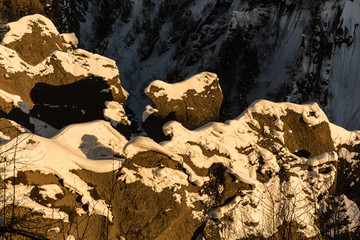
x,y
195,101
9,129
34,52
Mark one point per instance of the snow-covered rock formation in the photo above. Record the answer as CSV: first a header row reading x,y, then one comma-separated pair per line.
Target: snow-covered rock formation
x,y
278,169
43,74
193,102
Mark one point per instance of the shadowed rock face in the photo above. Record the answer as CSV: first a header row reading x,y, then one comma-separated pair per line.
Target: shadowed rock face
x,y
77,102
194,101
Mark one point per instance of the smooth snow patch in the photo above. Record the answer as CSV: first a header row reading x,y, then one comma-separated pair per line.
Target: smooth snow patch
x,y
50,191
115,112
70,38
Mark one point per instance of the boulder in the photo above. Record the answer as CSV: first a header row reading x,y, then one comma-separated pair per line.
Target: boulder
x,y
194,101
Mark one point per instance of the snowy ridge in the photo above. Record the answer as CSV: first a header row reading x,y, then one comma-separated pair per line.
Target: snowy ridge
x,y
276,185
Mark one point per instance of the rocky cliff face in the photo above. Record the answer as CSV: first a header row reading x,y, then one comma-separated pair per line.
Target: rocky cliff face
x,y
278,170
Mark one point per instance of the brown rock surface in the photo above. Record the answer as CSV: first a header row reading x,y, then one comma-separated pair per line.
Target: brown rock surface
x,y
195,101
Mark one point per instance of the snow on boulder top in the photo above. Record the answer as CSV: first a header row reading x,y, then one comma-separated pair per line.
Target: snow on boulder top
x,y
115,112
311,113
25,25
70,38
195,101
177,91
83,63
34,37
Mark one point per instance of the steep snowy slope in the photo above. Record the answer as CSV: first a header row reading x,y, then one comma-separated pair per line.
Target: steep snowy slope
x,y
343,71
